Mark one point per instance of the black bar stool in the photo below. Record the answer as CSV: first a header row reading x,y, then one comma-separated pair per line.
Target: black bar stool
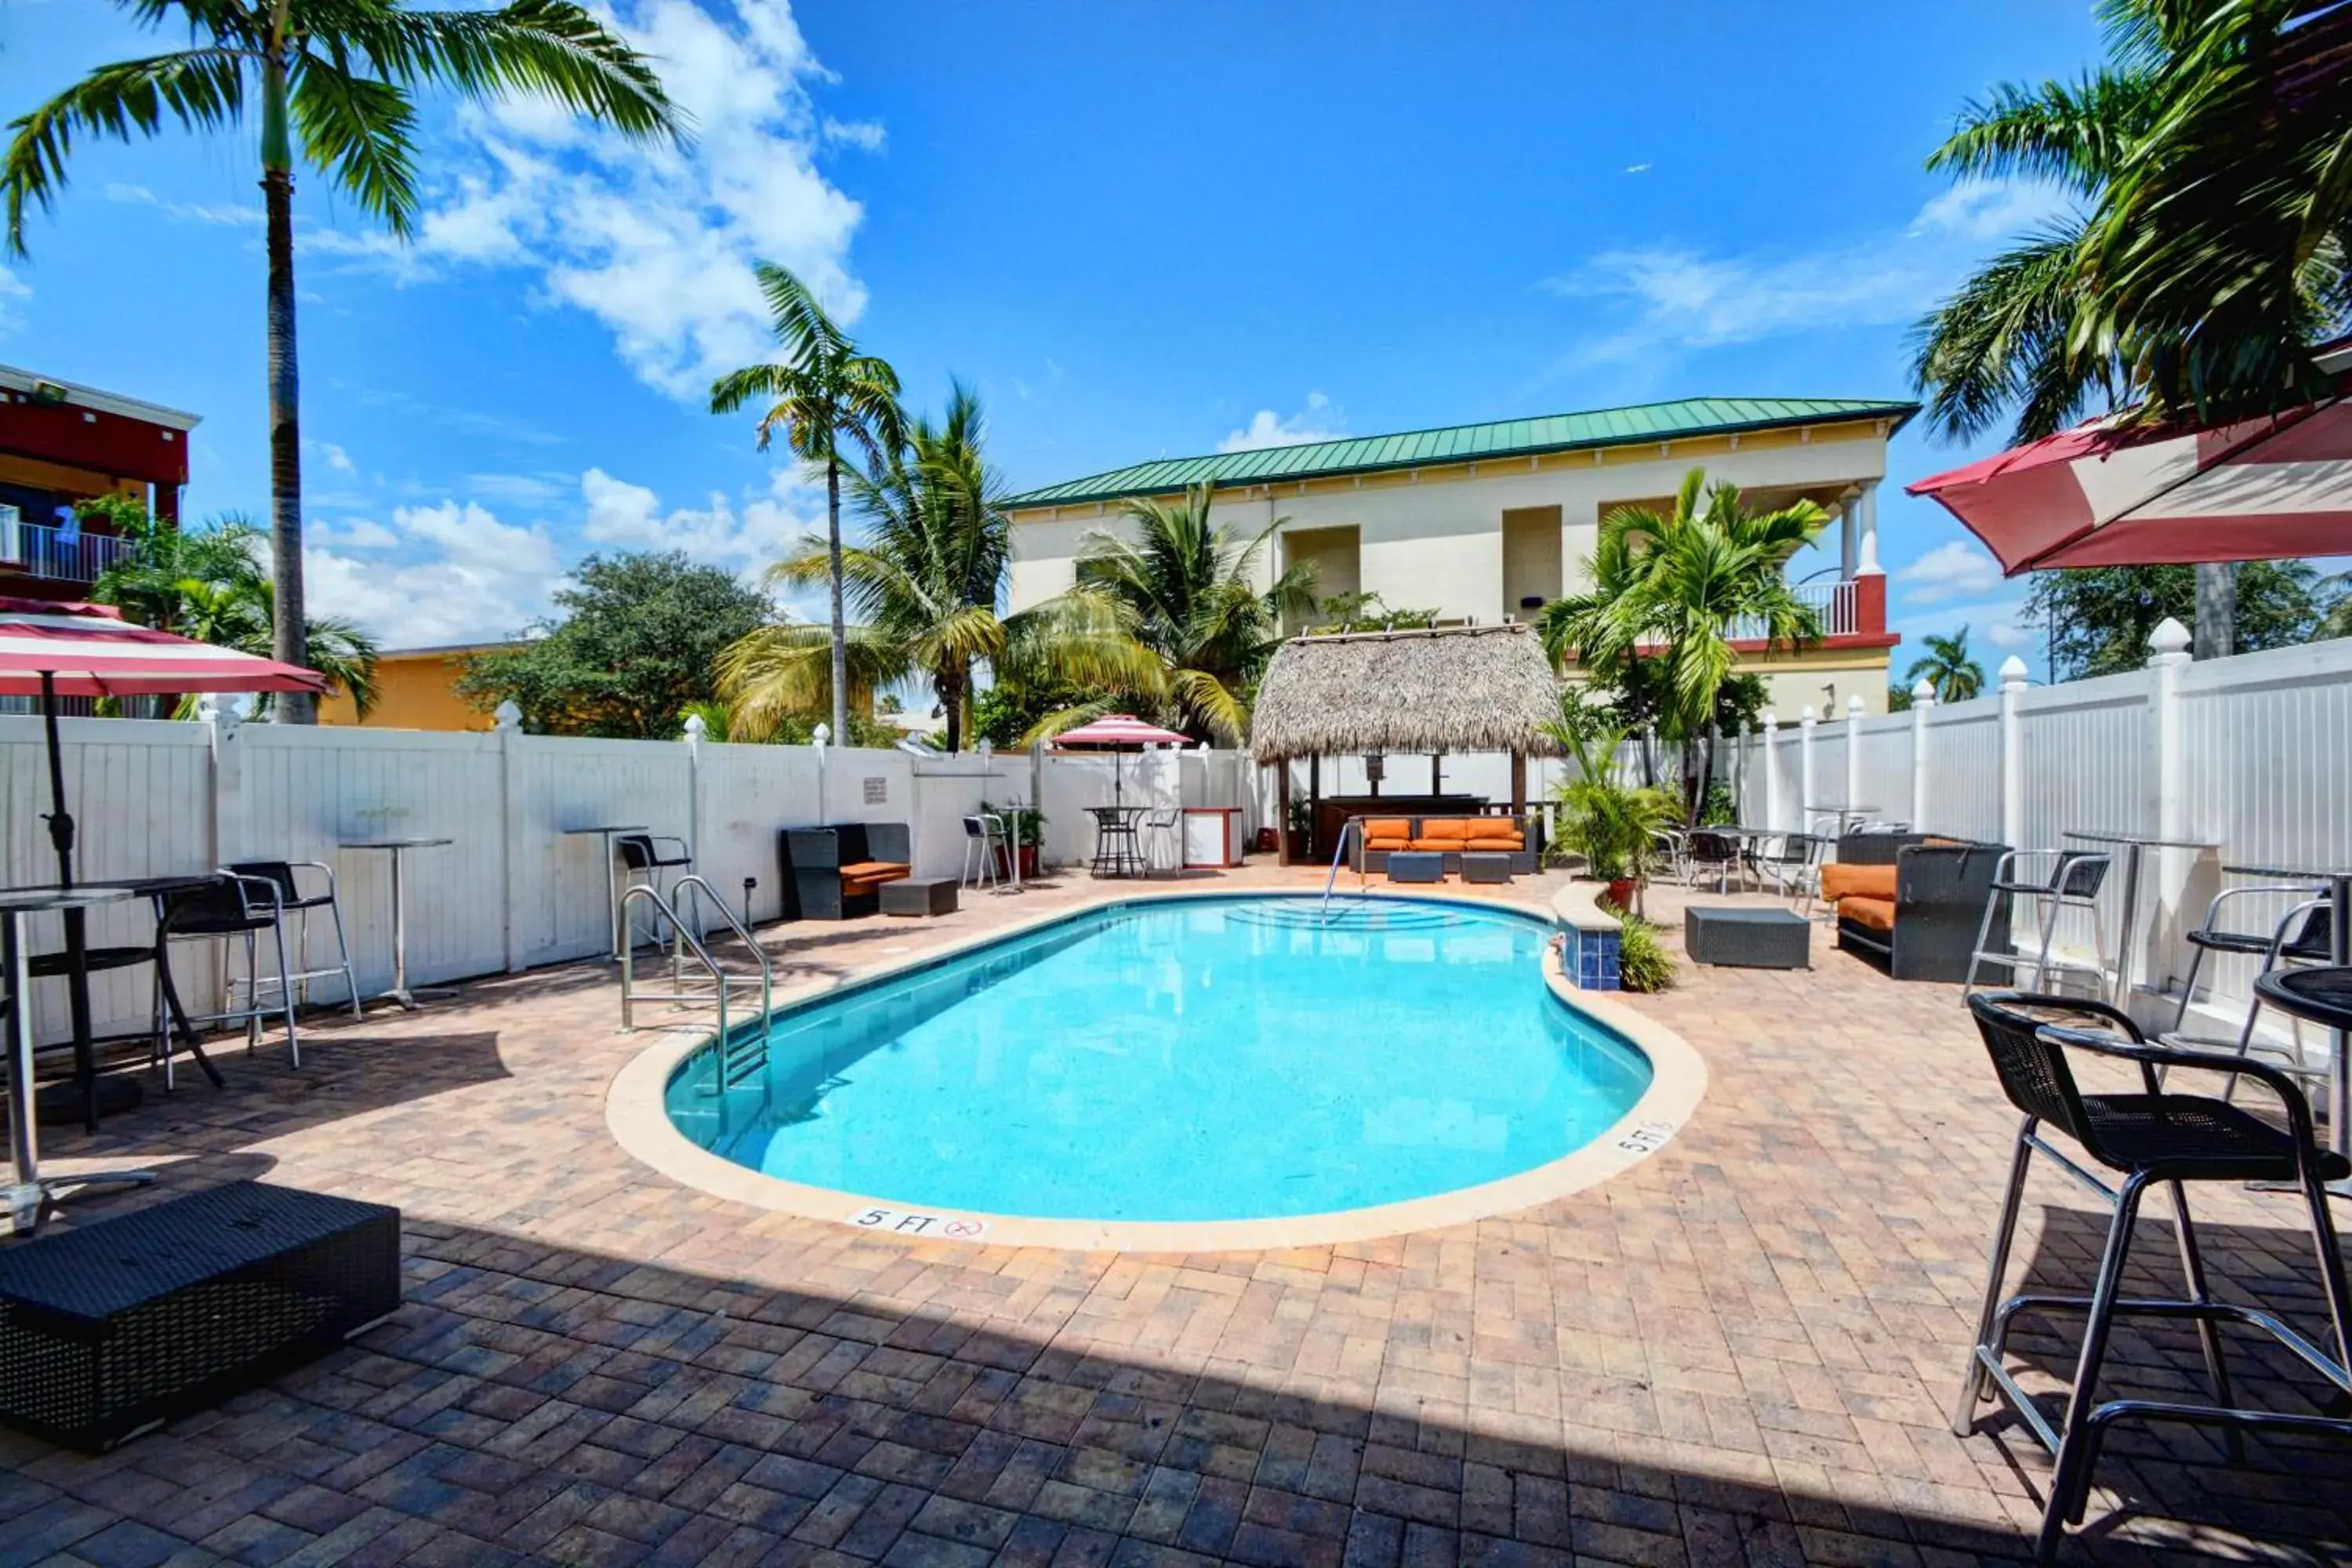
x,y
2150,1137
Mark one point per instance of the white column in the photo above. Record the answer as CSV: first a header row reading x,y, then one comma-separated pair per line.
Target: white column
x,y
2168,659
1868,507
227,754
1807,791
1772,772
695,731
1849,520
1923,700
1854,751
2012,755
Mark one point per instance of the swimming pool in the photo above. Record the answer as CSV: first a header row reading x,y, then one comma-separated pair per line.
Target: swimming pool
x,y
1181,1060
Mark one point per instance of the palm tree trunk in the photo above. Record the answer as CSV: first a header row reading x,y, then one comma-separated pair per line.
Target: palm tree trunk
x,y
840,623
951,688
2217,611
287,644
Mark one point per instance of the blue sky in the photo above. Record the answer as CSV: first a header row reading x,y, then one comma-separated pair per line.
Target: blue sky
x,y
1139,229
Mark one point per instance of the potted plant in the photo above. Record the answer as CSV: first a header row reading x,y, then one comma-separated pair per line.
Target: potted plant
x,y
1301,824
1612,824
1024,825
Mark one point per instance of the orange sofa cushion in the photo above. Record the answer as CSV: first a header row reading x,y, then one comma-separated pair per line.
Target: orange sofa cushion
x,y
867,876
1878,914
1378,827
1387,844
1445,830
1841,882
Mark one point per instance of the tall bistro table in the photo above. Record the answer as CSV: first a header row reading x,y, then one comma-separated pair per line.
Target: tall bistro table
x,y
1117,849
1840,815
2324,1003
611,831
2134,847
400,992
28,1195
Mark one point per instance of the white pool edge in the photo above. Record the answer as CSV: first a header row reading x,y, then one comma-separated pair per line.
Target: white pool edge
x,y
638,1117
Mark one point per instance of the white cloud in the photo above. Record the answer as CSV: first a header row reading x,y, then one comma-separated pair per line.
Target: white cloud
x,y
2009,636
1952,570
1319,421
655,241
765,528
1675,296
866,136
233,215
1637,168
468,577
337,458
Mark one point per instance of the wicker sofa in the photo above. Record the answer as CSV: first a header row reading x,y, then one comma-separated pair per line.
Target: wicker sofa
x,y
1911,903
1379,836
833,872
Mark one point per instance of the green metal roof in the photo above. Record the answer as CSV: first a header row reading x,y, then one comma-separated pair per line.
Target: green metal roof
x,y
1460,443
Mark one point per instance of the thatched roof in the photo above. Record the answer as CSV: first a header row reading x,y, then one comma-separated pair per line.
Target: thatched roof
x,y
1453,688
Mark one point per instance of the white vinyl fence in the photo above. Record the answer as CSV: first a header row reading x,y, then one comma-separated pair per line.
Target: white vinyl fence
x,y
2252,755
513,888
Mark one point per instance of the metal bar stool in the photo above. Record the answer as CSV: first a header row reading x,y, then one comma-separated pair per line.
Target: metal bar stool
x,y
1715,854
645,857
1165,826
238,908
984,840
2076,877
2147,1138
293,901
2304,936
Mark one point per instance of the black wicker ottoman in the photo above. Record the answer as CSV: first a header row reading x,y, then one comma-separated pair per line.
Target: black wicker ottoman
x,y
1485,865
1749,939
920,896
109,1330
1416,866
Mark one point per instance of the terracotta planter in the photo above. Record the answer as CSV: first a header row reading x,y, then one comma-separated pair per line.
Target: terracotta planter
x,y
1299,855
1028,863
1621,892
1266,841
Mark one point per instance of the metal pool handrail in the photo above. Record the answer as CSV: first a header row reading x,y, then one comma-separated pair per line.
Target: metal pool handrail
x,y
737,1061
1338,851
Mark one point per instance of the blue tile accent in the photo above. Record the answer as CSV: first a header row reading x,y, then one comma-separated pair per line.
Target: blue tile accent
x,y
1591,959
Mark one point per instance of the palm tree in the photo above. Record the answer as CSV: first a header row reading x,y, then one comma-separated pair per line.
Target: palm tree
x,y
926,583
336,75
822,392
1679,586
1186,585
209,584
1947,667
2211,162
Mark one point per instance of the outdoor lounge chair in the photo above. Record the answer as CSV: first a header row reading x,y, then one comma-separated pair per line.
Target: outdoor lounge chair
x,y
835,872
1918,912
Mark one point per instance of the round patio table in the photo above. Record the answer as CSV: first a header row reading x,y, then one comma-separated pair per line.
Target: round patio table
x,y
2322,997
1118,847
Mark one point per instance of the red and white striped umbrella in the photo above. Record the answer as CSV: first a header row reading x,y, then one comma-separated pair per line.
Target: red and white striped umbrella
x,y
1115,729
2100,496
90,650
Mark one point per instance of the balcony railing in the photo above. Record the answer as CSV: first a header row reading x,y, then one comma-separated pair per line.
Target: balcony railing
x,y
1833,602
40,550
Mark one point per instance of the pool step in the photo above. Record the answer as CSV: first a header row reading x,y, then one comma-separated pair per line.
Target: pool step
x,y
1344,914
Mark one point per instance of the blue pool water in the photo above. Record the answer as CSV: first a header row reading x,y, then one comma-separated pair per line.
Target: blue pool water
x,y
1221,1059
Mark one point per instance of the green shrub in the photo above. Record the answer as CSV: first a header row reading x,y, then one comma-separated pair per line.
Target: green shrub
x,y
1642,962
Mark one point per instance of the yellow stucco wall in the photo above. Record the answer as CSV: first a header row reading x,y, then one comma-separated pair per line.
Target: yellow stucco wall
x,y
415,691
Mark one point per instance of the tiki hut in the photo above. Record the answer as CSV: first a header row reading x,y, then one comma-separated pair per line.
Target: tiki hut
x,y
1450,688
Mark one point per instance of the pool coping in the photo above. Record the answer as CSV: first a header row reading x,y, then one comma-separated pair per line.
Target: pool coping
x,y
636,1115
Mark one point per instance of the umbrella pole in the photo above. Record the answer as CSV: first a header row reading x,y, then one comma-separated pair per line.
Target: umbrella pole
x,y
62,836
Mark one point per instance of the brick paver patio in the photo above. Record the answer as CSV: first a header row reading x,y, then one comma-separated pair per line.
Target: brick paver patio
x,y
1741,1351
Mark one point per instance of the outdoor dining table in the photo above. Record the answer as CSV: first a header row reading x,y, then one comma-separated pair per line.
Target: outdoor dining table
x,y
2134,847
2322,1001
400,992
1116,844
1858,813
27,1197
612,875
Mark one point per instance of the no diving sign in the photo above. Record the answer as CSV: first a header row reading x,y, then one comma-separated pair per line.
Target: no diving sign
x,y
907,1222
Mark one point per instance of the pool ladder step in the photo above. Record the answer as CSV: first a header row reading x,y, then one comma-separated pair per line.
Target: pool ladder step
x,y
1345,914
742,1050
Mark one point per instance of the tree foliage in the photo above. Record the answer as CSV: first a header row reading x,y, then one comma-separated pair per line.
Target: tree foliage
x,y
2101,618
636,644
1337,613
1948,667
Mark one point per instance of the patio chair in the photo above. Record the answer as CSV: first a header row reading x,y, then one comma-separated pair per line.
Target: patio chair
x,y
233,911
2145,1137
1715,854
1163,828
2075,878
1790,863
648,859
2304,935
294,900
1671,846
984,840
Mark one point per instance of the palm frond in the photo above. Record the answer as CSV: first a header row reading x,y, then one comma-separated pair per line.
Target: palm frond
x,y
203,88
357,129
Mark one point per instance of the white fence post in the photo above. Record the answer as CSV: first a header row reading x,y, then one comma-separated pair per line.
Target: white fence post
x,y
507,725
227,823
1772,772
1853,750
695,730
2169,656
2012,754
1808,792
1923,702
